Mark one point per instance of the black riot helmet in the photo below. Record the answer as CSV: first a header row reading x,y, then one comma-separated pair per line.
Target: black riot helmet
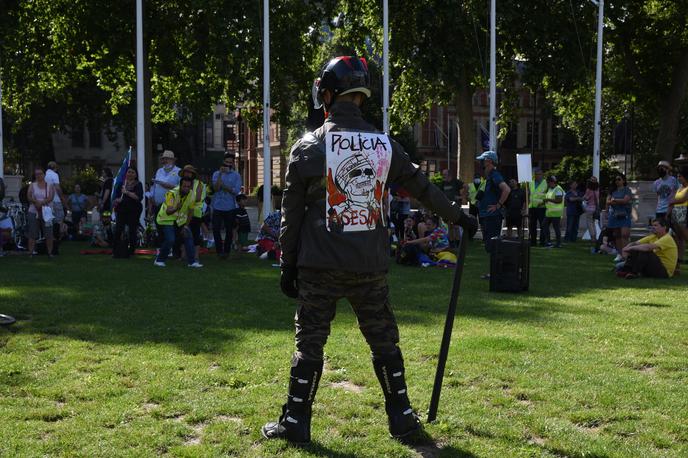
x,y
342,75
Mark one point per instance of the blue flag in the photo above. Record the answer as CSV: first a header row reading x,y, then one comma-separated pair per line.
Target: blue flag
x,y
121,174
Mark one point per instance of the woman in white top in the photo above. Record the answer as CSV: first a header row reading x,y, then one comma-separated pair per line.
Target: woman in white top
x,y
41,194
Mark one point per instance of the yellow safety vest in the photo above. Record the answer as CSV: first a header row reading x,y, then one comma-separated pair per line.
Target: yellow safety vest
x,y
172,198
473,191
554,210
198,204
537,194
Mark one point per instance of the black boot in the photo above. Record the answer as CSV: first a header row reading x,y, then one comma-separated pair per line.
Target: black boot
x,y
402,420
294,424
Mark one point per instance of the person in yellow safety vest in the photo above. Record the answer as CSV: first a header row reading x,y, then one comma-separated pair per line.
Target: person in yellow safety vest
x,y
198,191
174,218
554,209
474,192
536,207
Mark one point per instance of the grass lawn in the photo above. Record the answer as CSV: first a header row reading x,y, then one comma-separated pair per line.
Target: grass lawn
x,y
117,358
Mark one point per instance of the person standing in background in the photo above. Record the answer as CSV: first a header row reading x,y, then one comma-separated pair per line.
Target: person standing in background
x,y
619,206
591,208
665,187
226,183
554,209
537,210
128,207
78,205
573,200
106,192
59,204
679,215
515,208
166,178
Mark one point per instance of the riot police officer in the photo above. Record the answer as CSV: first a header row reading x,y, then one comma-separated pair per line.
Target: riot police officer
x,y
335,243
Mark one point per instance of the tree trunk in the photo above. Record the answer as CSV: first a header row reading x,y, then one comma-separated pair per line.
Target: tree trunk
x,y
670,110
464,110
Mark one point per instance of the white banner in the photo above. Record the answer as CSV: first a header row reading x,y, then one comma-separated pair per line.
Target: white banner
x,y
525,168
357,168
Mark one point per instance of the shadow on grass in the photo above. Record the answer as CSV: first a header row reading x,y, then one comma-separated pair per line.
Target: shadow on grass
x,y
103,300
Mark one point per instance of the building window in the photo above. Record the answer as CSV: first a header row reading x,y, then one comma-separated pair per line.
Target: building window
x,y
94,135
209,134
530,137
77,137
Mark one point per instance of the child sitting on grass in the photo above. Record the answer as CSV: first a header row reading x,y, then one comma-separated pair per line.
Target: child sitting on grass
x,y
242,223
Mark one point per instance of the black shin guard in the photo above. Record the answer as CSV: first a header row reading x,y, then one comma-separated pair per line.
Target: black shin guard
x,y
403,421
294,424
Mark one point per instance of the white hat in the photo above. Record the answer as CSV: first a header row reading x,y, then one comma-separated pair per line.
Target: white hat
x,y
167,154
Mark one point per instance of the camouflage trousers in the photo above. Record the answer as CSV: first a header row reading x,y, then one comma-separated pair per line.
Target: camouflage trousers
x,y
368,293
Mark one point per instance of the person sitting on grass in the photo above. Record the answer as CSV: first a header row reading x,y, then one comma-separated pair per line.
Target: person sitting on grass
x,y
437,241
652,256
103,235
242,222
269,235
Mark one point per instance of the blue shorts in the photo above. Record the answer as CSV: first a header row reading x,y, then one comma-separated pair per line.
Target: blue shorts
x,y
617,223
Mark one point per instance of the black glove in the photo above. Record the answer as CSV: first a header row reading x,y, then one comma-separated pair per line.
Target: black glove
x,y
288,282
469,223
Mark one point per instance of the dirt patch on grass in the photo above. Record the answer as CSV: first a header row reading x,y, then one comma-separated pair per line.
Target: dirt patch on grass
x,y
431,450
229,418
536,440
195,437
646,368
347,386
149,406
591,426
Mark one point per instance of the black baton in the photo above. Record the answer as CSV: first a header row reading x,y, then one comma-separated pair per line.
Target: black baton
x,y
448,326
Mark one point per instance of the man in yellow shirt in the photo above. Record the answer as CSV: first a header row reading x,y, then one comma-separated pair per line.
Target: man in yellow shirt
x,y
652,256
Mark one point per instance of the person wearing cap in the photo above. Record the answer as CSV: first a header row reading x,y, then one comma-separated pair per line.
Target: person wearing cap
x,y
166,178
335,244
491,205
198,191
665,187
227,185
554,210
536,207
128,207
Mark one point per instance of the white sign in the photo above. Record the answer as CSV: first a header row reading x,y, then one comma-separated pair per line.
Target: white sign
x,y
357,168
525,168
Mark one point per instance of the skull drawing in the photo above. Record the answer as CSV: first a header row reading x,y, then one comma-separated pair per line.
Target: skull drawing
x,y
355,178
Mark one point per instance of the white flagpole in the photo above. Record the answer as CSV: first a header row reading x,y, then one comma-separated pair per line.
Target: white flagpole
x,y
2,151
385,65
267,157
598,90
140,124
493,75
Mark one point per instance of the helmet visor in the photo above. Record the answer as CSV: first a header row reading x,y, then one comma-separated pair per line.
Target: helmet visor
x,y
315,92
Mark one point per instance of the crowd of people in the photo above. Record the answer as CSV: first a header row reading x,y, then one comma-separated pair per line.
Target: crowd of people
x,y
184,215
554,214
187,214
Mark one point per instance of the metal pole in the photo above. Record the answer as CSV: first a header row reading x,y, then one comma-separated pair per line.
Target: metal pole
x,y
267,157
598,90
140,120
493,75
385,66
448,326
